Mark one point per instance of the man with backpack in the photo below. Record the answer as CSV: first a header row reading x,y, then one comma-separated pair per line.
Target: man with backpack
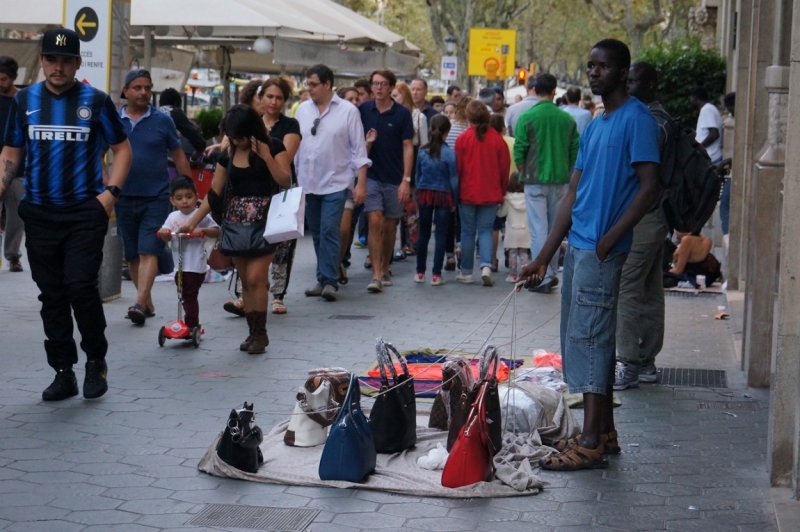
x,y
640,310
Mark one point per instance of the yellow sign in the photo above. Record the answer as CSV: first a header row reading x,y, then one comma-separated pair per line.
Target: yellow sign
x,y
492,52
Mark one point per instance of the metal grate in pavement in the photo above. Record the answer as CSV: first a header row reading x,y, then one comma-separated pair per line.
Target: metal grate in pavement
x,y
254,517
350,317
679,293
705,378
728,405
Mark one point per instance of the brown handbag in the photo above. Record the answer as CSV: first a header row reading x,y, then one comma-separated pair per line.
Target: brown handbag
x,y
456,373
217,261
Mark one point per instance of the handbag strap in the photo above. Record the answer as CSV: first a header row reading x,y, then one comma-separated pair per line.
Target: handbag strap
x,y
384,362
489,362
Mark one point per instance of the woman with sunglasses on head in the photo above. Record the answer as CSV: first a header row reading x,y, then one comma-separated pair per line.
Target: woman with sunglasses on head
x,y
248,174
273,95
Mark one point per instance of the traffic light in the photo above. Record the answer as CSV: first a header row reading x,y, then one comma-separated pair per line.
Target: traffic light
x,y
522,77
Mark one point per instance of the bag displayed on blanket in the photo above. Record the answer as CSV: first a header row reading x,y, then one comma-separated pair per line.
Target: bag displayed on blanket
x,y
470,459
393,417
238,446
460,405
318,402
286,217
456,377
349,453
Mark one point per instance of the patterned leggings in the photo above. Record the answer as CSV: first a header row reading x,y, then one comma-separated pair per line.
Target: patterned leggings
x,y
281,268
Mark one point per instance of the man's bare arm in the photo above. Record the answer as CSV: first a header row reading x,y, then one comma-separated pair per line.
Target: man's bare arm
x,y
9,161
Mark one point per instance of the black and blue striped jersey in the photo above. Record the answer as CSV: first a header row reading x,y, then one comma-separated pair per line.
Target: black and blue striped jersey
x,y
64,135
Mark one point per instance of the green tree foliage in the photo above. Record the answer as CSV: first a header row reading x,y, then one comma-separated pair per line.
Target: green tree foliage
x,y
208,120
681,66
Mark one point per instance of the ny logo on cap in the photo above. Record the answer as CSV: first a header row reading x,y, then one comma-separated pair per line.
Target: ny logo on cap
x,y
61,40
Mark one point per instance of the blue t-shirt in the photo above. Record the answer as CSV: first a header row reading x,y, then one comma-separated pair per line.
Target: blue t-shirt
x,y
152,137
609,147
393,127
64,136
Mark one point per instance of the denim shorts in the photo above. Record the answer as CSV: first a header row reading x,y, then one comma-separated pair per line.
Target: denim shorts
x,y
589,319
383,197
138,222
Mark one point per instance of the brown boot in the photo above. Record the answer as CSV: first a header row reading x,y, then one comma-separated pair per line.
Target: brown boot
x,y
244,346
260,338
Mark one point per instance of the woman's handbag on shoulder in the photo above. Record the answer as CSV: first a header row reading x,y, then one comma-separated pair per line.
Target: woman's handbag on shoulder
x,y
470,459
242,230
286,218
393,417
349,454
318,402
238,446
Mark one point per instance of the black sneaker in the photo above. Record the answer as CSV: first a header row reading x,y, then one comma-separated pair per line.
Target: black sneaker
x,y
95,384
64,385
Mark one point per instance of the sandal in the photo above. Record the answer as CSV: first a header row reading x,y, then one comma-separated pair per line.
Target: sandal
x,y
609,441
278,307
137,314
343,274
575,458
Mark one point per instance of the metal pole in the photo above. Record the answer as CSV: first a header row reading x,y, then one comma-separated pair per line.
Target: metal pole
x,y
148,47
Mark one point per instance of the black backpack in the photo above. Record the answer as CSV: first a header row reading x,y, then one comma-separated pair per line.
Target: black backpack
x,y
691,182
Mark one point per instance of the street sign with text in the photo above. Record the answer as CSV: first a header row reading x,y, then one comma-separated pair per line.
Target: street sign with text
x,y
91,19
449,70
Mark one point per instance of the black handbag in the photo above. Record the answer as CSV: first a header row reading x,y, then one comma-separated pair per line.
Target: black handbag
x,y
238,446
349,453
462,399
243,239
394,415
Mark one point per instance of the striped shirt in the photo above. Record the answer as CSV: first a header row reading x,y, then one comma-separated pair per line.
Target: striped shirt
x,y
64,135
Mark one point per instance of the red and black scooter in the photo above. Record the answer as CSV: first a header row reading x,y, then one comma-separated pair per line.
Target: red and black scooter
x,y
178,330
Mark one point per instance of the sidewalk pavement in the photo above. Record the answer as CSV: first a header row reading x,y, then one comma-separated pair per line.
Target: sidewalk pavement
x,y
127,462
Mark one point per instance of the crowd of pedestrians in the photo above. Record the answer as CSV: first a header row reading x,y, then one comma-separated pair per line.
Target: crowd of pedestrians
x,y
559,183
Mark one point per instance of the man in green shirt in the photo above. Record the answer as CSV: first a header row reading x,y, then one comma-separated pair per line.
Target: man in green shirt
x,y
545,151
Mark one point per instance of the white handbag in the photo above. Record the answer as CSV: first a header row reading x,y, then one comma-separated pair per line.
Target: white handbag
x,y
286,216
310,419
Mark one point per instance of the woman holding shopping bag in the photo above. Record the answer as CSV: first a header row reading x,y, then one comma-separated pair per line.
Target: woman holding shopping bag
x,y
252,170
483,164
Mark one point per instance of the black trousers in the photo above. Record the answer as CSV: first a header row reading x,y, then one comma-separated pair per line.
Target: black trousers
x,y
65,250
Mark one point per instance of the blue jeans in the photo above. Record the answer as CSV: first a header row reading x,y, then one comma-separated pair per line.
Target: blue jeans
x,y
428,216
725,206
541,202
324,216
476,219
589,319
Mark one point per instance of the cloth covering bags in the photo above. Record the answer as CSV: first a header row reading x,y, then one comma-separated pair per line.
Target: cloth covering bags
x,y
286,217
349,453
394,415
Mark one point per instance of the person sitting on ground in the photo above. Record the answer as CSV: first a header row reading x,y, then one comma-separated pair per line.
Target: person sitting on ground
x,y
692,248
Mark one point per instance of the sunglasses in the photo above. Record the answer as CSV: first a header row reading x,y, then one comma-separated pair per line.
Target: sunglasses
x,y
314,127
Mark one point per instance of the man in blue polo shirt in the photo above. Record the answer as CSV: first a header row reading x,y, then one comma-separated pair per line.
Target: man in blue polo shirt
x,y
389,177
144,204
64,126
614,184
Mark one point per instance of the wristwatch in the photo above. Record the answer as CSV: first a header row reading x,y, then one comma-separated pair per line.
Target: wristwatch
x,y
407,179
115,191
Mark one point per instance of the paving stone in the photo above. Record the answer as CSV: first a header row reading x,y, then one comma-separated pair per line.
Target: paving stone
x,y
120,481
484,514
729,517
45,526
278,500
595,508
667,490
440,524
411,510
556,518
101,517
525,504
156,506
632,499
341,506
513,526
666,513
568,495
699,525
32,513
205,496
389,498
630,522
368,520
85,502
127,527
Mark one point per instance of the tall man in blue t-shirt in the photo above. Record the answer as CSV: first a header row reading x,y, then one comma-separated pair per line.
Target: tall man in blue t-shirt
x,y
64,127
144,204
614,183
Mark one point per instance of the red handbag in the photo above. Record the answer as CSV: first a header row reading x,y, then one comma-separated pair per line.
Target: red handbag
x,y
470,459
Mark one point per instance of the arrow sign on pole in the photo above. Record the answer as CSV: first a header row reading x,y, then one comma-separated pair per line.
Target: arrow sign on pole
x,y
86,24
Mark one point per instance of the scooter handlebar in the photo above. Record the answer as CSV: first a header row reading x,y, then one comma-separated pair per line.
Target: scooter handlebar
x,y
199,234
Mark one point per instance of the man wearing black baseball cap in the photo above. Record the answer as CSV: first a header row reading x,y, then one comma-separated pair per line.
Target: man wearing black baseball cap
x,y
64,127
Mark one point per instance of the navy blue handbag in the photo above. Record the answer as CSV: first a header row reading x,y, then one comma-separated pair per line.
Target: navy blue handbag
x,y
349,452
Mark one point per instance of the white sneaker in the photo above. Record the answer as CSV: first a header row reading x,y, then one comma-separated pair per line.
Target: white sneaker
x,y
419,277
466,279
511,279
486,276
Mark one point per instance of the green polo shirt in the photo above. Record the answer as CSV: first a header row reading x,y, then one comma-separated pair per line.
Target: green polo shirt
x,y
546,144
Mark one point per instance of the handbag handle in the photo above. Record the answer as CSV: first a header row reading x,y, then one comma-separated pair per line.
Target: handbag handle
x,y
384,351
489,362
477,416
352,397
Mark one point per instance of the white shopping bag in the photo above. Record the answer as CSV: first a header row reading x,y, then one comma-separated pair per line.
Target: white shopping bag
x,y
286,217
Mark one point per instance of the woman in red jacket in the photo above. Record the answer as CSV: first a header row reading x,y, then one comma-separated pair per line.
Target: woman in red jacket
x,y
483,164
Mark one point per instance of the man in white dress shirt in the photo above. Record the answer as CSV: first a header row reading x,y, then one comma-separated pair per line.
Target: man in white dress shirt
x,y
333,151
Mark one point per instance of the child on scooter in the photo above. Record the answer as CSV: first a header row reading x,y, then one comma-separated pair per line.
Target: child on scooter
x,y
183,196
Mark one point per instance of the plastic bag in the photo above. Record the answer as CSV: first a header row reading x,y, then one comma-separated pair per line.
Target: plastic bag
x,y
520,411
542,358
549,377
435,459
